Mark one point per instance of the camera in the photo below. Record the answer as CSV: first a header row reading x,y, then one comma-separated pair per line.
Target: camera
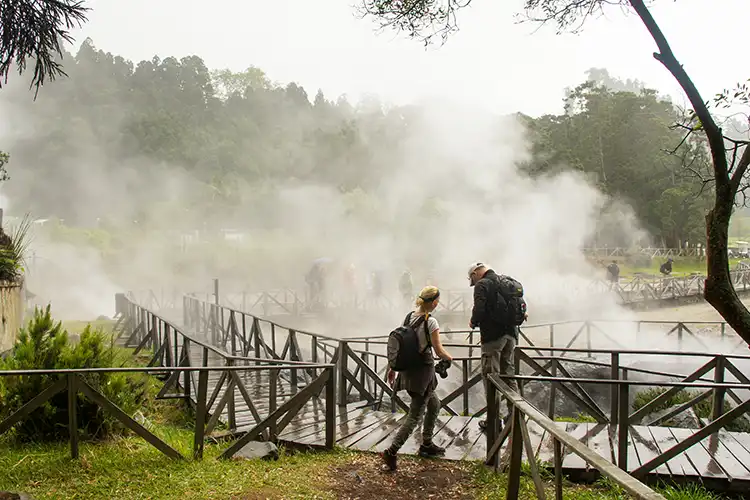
x,y
442,368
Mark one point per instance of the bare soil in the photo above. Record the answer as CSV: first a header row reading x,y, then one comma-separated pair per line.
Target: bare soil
x,y
363,479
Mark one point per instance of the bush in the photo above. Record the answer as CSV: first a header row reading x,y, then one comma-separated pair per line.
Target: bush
x,y
44,344
702,410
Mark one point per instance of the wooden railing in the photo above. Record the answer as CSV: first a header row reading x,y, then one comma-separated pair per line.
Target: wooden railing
x,y
633,291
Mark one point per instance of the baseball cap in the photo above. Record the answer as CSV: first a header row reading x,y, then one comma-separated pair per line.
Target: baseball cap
x,y
473,268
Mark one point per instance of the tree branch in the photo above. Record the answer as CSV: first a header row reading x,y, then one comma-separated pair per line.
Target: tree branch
x,y
668,59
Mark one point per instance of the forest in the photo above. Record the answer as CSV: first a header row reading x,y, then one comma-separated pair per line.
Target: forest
x,y
233,136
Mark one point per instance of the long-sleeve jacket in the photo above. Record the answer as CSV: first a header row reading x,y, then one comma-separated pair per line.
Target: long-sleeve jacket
x,y
490,309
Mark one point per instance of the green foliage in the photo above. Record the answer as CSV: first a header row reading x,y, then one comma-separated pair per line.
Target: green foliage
x,y
44,344
702,409
13,250
578,418
623,140
4,159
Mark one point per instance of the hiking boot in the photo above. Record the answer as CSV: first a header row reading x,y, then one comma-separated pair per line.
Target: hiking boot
x,y
431,450
389,459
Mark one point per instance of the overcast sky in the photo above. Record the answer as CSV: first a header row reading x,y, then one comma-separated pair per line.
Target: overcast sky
x,y
491,62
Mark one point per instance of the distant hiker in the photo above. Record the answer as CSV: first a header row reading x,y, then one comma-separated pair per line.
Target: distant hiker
x,y
499,309
406,287
410,349
613,273
666,268
376,284
315,279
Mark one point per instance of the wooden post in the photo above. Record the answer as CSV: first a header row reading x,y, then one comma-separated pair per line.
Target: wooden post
x,y
622,429
613,388
342,367
216,291
717,408
516,447
330,408
73,414
200,414
492,418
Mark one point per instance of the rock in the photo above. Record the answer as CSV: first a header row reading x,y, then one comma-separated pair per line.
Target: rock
x,y
9,495
686,419
258,449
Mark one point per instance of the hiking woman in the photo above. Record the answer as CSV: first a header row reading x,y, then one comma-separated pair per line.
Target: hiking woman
x,y
420,382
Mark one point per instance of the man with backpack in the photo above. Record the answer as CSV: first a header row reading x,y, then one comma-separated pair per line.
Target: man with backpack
x,y
499,309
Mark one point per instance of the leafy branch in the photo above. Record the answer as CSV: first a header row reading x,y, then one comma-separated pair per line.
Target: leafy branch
x,y
35,29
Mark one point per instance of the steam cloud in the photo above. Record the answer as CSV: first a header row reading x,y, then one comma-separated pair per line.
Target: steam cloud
x,y
456,196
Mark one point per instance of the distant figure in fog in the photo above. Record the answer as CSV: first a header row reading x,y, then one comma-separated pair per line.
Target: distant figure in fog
x,y
315,279
666,268
613,273
406,287
376,284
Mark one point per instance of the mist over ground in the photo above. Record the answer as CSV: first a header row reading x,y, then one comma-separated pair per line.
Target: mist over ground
x,y
431,188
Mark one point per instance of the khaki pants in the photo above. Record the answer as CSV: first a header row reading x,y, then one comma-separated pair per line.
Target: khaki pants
x,y
497,357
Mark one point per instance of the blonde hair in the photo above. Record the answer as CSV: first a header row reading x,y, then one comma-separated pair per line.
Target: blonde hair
x,y
426,299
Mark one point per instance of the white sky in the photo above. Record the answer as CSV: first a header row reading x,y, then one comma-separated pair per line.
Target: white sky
x,y
492,62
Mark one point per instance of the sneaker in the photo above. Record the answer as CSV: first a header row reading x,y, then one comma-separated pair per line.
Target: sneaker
x,y
431,450
389,459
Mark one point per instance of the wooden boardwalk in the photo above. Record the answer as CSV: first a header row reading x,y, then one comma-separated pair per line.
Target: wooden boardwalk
x,y
720,460
724,457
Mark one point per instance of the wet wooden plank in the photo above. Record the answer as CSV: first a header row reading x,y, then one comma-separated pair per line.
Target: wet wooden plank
x,y
463,440
679,465
315,433
703,463
450,431
570,459
723,457
735,447
598,436
380,432
467,439
633,460
647,448
351,440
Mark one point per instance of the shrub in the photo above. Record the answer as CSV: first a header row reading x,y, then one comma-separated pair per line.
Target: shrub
x,y
702,410
44,344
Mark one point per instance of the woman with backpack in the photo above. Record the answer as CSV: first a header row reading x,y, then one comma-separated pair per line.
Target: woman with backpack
x,y
419,378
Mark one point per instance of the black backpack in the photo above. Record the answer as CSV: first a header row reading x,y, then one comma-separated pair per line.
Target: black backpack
x,y
403,345
512,292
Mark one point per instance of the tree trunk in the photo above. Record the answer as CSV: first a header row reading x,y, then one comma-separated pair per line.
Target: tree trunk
x,y
719,291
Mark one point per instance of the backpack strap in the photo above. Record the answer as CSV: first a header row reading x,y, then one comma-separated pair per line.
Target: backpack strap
x,y
417,324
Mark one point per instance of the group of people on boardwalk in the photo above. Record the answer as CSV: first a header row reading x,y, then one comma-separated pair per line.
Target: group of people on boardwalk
x,y
498,311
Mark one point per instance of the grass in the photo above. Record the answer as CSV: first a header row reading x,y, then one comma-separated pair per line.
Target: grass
x,y
75,327
128,468
680,267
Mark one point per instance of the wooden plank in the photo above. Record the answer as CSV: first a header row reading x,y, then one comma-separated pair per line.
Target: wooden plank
x,y
723,457
701,460
633,460
451,431
578,431
375,419
313,434
382,431
466,440
599,441
646,448
679,465
735,447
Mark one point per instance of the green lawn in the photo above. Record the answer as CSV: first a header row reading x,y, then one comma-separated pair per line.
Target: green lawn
x,y
680,267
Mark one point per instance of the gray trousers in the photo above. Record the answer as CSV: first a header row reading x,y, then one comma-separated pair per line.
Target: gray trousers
x,y
497,357
419,403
